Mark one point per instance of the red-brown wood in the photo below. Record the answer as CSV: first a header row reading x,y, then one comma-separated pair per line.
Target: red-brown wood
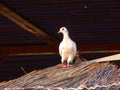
x,y
47,49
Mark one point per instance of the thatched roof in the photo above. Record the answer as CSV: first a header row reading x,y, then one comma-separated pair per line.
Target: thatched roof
x,y
95,76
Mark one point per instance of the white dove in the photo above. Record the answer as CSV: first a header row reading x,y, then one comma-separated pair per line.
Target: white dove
x,y
67,48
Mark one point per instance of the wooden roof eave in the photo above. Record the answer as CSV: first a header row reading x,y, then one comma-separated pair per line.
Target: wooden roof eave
x,y
49,49
26,25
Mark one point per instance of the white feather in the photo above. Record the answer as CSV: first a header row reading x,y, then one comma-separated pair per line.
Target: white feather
x,y
67,47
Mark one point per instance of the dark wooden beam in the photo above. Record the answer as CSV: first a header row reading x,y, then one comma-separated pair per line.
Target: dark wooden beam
x,y
26,25
40,50
28,49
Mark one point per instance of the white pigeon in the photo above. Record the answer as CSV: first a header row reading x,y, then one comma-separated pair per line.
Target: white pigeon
x,y
67,48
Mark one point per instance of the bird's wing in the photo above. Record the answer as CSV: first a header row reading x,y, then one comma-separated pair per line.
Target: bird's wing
x,y
68,48
60,48
74,48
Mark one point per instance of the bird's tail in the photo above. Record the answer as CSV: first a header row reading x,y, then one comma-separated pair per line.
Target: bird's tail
x,y
79,58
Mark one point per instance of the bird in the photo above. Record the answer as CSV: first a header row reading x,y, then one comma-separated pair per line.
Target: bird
x,y
67,48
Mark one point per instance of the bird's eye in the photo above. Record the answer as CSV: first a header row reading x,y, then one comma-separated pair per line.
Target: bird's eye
x,y
62,29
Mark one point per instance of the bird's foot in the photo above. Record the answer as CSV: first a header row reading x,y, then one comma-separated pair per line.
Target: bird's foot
x,y
69,65
63,65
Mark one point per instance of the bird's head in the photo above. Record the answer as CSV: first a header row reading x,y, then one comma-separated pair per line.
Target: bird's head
x,y
63,30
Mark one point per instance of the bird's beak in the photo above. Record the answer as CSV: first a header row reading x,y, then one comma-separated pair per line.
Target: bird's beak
x,y
59,32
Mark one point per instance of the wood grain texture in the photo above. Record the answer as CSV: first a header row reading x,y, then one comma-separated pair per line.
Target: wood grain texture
x,y
26,25
53,49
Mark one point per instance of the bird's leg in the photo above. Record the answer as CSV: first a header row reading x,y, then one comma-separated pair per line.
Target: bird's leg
x,y
63,65
69,65
69,62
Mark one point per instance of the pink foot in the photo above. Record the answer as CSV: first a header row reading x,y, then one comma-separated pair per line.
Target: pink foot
x,y
63,65
69,65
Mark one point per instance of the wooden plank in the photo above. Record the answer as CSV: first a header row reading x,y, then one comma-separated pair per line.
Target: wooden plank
x,y
109,58
45,49
27,49
26,25
115,57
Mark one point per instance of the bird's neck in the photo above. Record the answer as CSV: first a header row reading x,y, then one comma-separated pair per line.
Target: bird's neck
x,y
66,36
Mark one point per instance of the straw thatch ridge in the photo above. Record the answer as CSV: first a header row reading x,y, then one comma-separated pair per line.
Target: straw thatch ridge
x,y
95,76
